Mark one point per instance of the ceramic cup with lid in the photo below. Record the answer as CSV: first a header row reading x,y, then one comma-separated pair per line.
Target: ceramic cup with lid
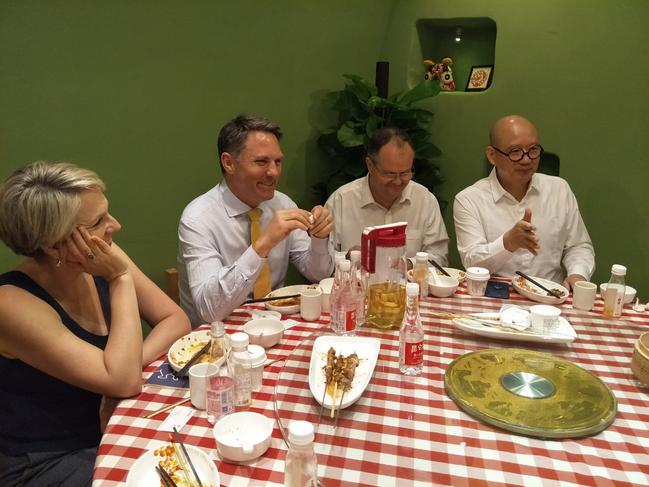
x,y
476,280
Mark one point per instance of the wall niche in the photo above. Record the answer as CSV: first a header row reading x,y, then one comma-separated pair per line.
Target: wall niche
x,y
468,41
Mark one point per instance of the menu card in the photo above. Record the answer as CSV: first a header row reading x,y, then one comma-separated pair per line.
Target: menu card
x,y
164,376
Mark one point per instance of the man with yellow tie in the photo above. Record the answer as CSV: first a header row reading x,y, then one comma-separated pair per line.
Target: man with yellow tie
x,y
236,240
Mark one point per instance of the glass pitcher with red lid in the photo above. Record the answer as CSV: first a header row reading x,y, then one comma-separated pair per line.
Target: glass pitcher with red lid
x,y
383,262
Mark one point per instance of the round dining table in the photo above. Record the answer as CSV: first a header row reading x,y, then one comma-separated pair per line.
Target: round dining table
x,y
407,430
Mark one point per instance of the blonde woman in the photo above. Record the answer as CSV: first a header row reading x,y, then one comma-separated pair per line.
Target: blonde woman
x,y
69,324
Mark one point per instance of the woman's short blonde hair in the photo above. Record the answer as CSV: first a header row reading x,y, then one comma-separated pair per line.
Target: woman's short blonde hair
x,y
39,204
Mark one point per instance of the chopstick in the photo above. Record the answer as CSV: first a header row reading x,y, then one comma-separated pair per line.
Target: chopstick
x,y
189,460
167,408
550,292
164,476
182,372
439,267
273,298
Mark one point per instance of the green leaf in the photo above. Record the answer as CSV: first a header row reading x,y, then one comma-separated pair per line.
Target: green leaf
x,y
425,89
348,136
359,87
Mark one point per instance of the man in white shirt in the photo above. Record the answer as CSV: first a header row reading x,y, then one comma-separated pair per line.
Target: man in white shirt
x,y
518,220
218,266
387,195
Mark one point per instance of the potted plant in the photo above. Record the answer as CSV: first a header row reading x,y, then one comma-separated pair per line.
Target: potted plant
x,y
361,111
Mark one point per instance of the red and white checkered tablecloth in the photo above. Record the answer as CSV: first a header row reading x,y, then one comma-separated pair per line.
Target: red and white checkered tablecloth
x,y
405,431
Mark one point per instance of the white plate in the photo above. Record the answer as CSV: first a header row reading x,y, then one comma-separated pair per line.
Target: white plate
x,y
185,347
564,333
285,291
367,350
144,474
536,293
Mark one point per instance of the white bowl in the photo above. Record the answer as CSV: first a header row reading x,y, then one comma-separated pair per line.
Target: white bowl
x,y
629,292
244,436
264,331
443,286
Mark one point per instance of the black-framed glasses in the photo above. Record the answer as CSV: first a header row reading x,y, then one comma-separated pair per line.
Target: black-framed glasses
x,y
404,176
517,154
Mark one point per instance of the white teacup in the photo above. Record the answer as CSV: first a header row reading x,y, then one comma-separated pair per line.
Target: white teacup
x,y
583,295
544,319
311,304
198,375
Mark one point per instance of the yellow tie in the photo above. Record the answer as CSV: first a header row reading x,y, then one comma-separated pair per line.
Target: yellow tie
x,y
262,286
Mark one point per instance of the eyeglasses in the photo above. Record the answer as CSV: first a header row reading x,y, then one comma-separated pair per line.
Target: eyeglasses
x,y
404,176
517,154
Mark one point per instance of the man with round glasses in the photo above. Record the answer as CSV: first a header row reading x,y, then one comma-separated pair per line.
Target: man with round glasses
x,y
518,220
388,195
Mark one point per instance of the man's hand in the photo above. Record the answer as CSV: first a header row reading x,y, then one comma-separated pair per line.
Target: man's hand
x,y
569,282
522,235
278,228
323,222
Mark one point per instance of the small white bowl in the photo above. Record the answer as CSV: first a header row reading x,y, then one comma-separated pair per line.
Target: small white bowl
x,y
629,292
442,286
264,331
244,436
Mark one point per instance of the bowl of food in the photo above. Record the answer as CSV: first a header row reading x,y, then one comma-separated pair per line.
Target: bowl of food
x,y
265,332
242,436
629,292
640,359
186,347
283,304
442,286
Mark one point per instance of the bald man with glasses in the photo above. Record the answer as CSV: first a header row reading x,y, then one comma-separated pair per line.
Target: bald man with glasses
x,y
388,195
518,220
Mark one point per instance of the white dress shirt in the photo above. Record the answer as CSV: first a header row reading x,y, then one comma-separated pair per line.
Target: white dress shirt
x,y
353,208
217,266
484,211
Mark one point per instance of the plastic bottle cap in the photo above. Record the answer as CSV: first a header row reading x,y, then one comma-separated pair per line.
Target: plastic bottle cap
x,y
345,265
478,273
355,255
239,341
217,328
257,355
421,256
412,289
618,270
339,256
300,433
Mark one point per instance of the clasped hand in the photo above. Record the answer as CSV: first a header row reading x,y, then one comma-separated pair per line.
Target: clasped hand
x,y
318,223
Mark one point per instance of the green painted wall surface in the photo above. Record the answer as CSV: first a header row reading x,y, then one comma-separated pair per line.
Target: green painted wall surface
x,y
138,90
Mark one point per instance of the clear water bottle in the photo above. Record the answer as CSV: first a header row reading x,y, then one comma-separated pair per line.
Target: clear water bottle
x,y
420,273
240,368
339,257
344,307
301,467
218,341
360,285
220,395
411,335
614,294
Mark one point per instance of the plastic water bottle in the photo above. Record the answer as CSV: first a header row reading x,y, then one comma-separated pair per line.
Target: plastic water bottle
x,y
219,395
344,314
339,257
301,467
360,285
411,335
614,294
240,368
420,273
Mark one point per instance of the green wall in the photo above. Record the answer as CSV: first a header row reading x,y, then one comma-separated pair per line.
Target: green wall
x,y
137,91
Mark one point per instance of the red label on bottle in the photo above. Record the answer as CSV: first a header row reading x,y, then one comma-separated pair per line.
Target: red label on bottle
x,y
414,353
350,320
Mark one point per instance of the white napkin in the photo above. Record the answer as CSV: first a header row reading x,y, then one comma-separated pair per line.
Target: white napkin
x,y
511,316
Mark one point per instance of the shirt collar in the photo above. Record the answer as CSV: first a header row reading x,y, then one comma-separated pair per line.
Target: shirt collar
x,y
233,205
367,198
498,192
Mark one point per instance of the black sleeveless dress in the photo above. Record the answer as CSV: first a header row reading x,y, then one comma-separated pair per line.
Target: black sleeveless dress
x,y
38,412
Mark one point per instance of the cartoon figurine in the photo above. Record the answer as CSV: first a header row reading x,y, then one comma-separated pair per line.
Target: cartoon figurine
x,y
441,71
